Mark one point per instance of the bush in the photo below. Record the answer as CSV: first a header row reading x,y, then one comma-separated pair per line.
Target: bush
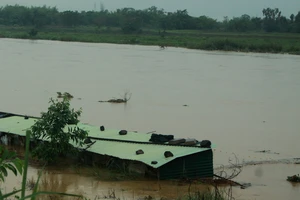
x,y
50,135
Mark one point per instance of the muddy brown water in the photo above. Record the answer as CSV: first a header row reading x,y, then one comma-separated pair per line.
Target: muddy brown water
x,y
242,102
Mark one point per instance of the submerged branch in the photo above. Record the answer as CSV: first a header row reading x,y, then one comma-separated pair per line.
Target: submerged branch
x,y
126,97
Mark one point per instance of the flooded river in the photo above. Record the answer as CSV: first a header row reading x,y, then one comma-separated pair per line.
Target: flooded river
x,y
242,102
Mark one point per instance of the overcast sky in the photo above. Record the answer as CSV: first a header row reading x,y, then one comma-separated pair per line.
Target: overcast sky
x,y
216,9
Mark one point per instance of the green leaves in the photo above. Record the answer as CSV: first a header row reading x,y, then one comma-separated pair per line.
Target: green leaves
x,y
9,162
3,172
51,129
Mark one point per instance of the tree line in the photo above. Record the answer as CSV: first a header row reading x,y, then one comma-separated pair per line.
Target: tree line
x,y
131,20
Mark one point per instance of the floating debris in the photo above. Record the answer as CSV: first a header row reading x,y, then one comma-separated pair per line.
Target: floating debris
x,y
117,101
266,151
295,178
64,95
125,99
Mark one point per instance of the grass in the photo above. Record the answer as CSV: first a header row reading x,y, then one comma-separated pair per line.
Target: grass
x,y
36,192
209,194
192,39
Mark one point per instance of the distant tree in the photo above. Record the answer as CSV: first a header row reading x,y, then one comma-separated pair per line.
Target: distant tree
x,y
292,17
225,23
131,22
101,19
70,18
35,16
271,14
297,23
283,24
15,15
297,17
181,20
241,24
271,18
206,23
152,17
257,23
39,17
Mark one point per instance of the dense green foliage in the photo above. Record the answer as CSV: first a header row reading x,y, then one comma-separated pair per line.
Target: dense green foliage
x,y
134,21
51,128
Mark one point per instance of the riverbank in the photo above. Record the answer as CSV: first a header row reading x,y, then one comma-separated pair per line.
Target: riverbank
x,y
191,39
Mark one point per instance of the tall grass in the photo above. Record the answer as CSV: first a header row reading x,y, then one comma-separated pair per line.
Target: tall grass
x,y
35,193
214,192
